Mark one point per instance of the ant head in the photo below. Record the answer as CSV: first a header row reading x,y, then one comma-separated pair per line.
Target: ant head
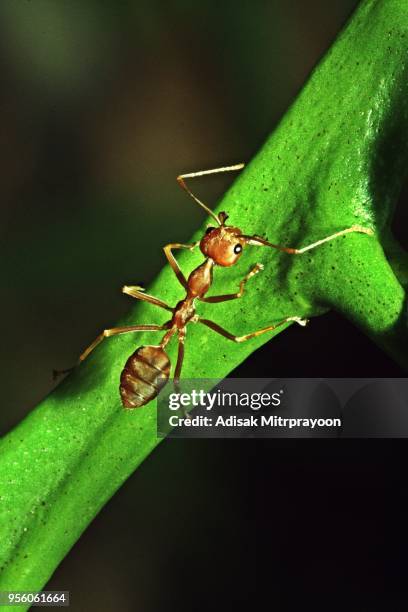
x,y
223,244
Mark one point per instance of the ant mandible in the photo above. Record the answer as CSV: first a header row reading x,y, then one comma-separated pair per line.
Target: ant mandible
x,y
148,368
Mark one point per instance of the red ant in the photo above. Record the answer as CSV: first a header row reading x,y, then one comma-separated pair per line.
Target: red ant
x,y
148,368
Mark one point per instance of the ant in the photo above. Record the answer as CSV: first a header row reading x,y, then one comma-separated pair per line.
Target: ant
x,y
148,368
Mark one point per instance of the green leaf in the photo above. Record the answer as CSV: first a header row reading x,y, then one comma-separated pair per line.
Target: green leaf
x,y
337,159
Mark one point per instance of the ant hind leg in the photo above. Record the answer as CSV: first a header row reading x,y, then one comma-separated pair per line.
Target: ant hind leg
x,y
179,365
107,333
180,358
115,331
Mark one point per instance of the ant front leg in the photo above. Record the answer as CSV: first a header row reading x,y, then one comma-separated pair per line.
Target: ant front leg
x,y
223,332
168,251
213,299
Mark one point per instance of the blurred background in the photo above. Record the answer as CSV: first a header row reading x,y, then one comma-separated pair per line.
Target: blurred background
x,y
102,105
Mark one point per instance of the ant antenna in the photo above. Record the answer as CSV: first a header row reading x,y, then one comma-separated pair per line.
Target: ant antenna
x,y
257,240
180,179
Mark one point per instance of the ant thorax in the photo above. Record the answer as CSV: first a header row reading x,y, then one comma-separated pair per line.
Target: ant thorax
x,y
200,279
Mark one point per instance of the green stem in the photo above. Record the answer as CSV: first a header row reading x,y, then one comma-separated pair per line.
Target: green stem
x,y
337,159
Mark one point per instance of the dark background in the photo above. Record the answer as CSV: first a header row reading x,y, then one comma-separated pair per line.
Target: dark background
x,y
102,105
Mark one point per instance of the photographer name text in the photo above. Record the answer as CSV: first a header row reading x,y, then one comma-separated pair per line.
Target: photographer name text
x,y
251,421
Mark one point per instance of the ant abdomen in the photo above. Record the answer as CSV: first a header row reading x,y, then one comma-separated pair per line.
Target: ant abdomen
x,y
145,373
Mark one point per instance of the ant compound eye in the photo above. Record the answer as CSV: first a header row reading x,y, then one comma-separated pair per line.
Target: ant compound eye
x,y
209,229
237,249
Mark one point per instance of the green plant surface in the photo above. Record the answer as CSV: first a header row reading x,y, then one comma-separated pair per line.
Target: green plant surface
x,y
337,159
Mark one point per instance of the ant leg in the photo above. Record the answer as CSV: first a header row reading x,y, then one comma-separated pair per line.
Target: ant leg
x,y
138,293
179,365
220,330
233,296
181,182
254,240
106,334
180,357
116,331
173,262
